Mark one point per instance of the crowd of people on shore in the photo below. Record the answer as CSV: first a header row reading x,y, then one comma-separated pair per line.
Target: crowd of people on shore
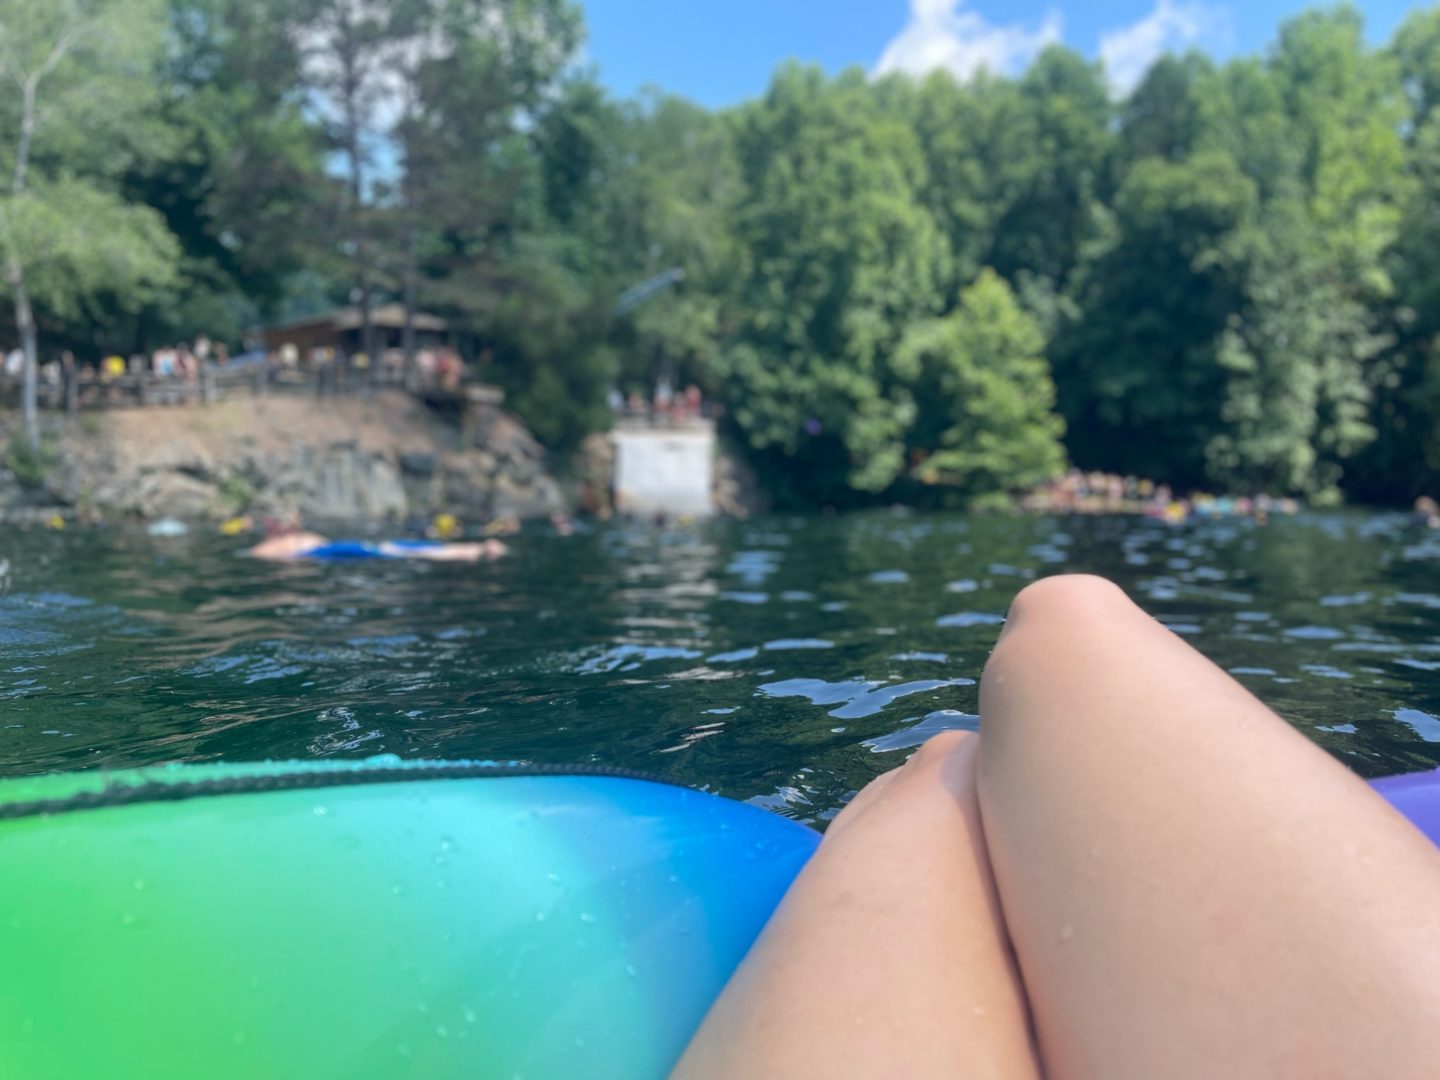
x,y
665,406
179,363
183,362
439,366
1078,492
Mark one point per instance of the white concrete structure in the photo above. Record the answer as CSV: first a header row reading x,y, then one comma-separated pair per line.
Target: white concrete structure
x,y
664,470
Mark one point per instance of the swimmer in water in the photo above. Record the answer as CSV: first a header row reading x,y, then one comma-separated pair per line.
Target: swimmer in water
x,y
300,544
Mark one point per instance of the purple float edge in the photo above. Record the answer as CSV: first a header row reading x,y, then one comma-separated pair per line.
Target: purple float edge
x,y
1417,796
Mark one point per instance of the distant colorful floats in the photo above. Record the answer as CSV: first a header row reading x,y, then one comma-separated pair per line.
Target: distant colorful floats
x,y
1107,493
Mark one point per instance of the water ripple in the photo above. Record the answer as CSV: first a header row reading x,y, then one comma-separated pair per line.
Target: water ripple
x,y
970,618
857,697
930,725
767,660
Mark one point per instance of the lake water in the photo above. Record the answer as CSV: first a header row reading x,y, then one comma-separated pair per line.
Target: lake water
x,y
784,661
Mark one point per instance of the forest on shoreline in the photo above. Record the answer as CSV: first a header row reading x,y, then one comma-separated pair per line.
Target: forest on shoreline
x,y
896,289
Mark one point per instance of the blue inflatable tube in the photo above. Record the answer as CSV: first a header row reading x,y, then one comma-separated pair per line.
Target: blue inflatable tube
x,y
380,919
372,920
1417,796
347,550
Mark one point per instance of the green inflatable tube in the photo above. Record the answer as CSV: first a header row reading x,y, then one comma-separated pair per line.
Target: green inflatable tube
x,y
376,919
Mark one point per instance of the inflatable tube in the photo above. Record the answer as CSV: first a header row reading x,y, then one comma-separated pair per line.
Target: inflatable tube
x,y
372,920
346,550
383,919
343,550
1417,797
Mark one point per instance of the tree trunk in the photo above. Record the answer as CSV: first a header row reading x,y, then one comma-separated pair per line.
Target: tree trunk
x,y
362,271
72,385
15,271
351,87
25,324
367,328
407,339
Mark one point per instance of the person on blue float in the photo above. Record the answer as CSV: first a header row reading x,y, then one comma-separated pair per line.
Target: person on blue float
x,y
1133,870
295,543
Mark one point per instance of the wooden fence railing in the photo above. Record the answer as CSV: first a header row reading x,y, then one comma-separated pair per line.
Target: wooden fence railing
x,y
212,383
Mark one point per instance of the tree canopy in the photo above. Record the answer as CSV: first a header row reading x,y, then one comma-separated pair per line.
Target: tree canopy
x,y
894,288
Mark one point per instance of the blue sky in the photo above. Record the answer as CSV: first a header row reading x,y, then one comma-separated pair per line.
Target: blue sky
x,y
721,51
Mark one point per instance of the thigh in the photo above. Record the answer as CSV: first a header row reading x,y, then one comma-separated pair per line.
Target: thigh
x,y
887,957
1193,888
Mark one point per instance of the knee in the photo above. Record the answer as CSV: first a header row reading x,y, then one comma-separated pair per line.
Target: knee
x,y
1046,652
941,767
1064,599
936,750
1050,615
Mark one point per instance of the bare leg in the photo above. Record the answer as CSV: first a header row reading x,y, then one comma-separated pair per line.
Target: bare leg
x,y
1192,887
887,957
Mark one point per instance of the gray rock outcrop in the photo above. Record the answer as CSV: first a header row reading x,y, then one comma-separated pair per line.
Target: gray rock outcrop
x,y
342,459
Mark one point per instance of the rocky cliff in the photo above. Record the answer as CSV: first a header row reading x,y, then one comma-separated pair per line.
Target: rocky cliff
x,y
354,459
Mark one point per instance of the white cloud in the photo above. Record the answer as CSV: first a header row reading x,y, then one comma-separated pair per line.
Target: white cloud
x,y
1173,25
943,36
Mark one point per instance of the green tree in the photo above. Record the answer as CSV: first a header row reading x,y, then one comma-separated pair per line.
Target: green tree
x,y
1345,108
1162,117
1405,458
1140,384
672,196
985,421
1297,360
472,143
1067,115
1017,171
840,257
979,150
1229,332
347,49
241,183
1320,273
80,78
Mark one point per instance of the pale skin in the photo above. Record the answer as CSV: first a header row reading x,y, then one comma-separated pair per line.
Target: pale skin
x,y
1135,871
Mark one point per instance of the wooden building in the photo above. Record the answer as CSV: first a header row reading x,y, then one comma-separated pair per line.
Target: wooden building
x,y
340,330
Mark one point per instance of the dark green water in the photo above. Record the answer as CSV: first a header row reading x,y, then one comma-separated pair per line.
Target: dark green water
x,y
785,661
